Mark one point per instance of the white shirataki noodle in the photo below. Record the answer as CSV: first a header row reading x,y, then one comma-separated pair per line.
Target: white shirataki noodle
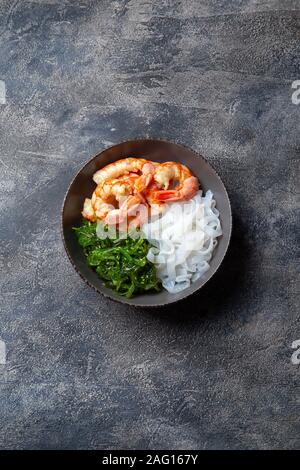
x,y
183,240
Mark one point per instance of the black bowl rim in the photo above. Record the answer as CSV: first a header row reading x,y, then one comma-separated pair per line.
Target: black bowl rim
x,y
122,300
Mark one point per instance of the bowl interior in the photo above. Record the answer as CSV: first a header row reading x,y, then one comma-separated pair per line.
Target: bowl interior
x,y
156,150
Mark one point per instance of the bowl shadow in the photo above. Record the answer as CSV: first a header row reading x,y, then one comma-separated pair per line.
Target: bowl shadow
x,y
224,289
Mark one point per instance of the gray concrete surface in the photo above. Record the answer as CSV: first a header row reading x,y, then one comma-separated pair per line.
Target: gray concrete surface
x,y
214,371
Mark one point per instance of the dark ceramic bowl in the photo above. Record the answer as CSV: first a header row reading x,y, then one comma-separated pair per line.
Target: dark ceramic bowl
x,y
156,150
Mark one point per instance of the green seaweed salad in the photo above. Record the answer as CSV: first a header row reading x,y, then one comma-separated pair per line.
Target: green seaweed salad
x,y
120,262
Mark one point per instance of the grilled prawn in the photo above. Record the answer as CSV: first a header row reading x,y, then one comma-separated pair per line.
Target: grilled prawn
x,y
183,185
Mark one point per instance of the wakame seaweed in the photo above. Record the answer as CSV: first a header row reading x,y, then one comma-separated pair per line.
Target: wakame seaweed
x,y
120,262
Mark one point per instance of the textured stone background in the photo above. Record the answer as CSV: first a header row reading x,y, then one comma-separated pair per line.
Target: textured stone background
x,y
214,371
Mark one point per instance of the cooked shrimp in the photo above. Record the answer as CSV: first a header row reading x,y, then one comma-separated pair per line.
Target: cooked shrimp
x,y
100,207
119,168
115,189
88,210
148,171
130,207
156,206
110,194
128,188
171,173
141,217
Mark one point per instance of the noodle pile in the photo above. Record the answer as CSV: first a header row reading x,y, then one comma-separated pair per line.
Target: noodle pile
x,y
183,240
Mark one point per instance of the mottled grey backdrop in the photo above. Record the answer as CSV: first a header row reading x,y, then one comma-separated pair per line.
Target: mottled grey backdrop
x,y
214,371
